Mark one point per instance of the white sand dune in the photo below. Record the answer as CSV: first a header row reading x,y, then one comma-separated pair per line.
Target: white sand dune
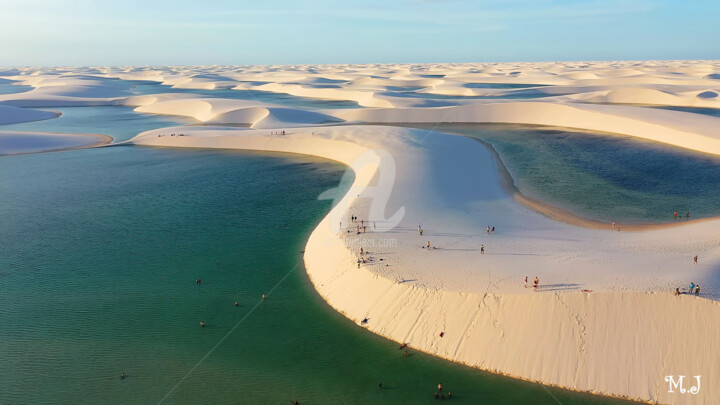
x,y
450,185
622,339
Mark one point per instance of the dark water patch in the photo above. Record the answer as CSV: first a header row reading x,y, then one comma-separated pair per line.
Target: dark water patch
x,y
713,112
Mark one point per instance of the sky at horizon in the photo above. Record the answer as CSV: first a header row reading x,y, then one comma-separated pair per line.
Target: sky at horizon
x,y
183,32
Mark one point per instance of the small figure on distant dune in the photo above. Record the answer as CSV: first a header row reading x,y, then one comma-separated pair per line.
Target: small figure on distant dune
x,y
442,334
364,321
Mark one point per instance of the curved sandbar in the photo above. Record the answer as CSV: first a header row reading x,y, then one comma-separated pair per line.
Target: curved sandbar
x,y
20,143
620,340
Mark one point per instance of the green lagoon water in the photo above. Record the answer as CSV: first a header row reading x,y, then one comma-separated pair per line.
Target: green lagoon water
x,y
100,249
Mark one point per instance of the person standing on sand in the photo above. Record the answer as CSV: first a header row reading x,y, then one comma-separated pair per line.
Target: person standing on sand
x,y
695,259
677,291
428,245
482,249
488,229
697,289
526,280
493,230
692,288
536,283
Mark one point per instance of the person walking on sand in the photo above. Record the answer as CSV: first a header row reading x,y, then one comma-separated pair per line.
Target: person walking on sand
x,y
428,245
677,291
482,249
695,259
362,251
526,280
697,289
692,288
359,261
536,283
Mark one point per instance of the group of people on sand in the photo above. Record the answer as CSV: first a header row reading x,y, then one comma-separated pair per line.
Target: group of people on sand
x,y
490,230
536,283
277,133
360,227
694,289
